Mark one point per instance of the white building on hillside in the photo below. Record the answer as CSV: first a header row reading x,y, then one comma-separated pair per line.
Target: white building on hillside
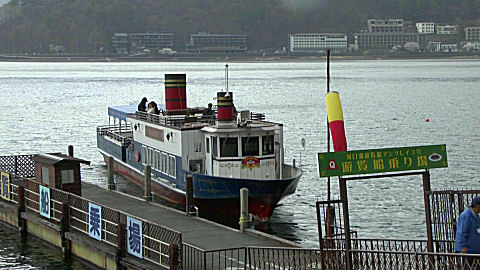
x,y
447,29
314,42
426,27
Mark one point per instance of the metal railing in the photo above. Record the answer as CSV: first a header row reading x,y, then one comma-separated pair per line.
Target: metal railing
x,y
156,239
283,258
115,133
178,120
198,259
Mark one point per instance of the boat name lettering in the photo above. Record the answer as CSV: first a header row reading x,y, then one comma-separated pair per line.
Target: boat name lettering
x,y
154,133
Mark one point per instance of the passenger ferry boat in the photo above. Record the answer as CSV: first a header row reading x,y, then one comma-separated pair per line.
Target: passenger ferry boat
x,y
223,152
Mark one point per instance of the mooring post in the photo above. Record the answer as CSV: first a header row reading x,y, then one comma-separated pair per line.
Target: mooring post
x,y
121,244
148,184
189,194
243,209
111,182
293,163
173,257
70,150
65,227
346,218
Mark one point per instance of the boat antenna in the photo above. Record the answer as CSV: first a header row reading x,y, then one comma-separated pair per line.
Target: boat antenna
x,y
328,126
226,78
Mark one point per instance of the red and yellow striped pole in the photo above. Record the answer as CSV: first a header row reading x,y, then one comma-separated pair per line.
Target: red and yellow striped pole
x,y
335,121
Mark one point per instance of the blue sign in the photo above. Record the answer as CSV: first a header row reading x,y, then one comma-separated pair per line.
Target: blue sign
x,y
134,237
5,186
44,193
95,221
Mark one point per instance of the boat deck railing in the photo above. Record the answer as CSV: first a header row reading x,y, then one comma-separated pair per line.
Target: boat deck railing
x,y
122,134
180,120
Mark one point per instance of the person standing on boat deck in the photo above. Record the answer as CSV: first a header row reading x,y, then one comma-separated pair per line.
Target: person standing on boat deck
x,y
208,111
152,108
142,107
467,237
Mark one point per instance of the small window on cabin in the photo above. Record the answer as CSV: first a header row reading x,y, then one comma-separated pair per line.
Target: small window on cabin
x,y
207,145
267,145
165,163
229,147
171,165
144,154
67,177
157,160
45,176
250,146
214,146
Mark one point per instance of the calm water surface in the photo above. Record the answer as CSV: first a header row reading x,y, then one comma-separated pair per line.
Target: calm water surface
x,y
47,106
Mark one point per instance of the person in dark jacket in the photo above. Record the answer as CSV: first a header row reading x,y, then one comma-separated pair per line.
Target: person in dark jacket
x,y
142,107
467,237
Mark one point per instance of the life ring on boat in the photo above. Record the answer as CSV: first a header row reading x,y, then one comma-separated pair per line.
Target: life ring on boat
x,y
137,156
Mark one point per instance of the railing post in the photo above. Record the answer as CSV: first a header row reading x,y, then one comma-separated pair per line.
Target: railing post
x,y
65,227
148,184
173,257
189,194
21,208
111,182
121,244
70,150
243,210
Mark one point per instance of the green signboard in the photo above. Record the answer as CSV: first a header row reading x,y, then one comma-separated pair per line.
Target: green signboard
x,y
382,160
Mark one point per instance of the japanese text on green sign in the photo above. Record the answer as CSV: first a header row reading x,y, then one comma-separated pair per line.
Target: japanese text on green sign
x,y
382,160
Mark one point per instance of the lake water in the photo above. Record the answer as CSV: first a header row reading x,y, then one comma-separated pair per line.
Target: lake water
x,y
47,106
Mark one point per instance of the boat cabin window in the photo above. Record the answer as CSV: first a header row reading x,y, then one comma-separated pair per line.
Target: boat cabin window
x,y
267,145
229,147
250,146
171,166
207,145
214,146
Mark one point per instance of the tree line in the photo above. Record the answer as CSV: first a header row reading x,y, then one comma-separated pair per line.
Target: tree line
x,y
85,26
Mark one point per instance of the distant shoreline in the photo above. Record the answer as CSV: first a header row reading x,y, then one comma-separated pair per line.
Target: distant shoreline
x,y
230,58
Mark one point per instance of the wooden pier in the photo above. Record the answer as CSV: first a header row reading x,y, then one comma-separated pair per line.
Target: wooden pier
x,y
165,238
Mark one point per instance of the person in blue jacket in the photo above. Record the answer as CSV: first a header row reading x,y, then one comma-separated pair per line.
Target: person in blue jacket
x,y
467,237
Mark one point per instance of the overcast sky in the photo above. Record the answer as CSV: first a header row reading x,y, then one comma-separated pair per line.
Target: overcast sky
x,y
3,2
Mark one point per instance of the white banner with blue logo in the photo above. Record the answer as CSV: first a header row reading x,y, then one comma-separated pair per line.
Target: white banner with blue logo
x,y
44,205
134,237
95,221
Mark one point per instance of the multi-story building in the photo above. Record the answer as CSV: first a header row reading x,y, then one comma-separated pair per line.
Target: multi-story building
x,y
448,47
120,43
425,27
141,41
314,42
447,29
472,33
391,25
383,40
221,43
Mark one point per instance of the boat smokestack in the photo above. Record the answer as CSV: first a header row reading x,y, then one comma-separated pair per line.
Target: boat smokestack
x,y
225,107
175,93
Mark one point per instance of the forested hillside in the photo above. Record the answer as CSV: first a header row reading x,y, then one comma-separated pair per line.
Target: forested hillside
x,y
84,26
